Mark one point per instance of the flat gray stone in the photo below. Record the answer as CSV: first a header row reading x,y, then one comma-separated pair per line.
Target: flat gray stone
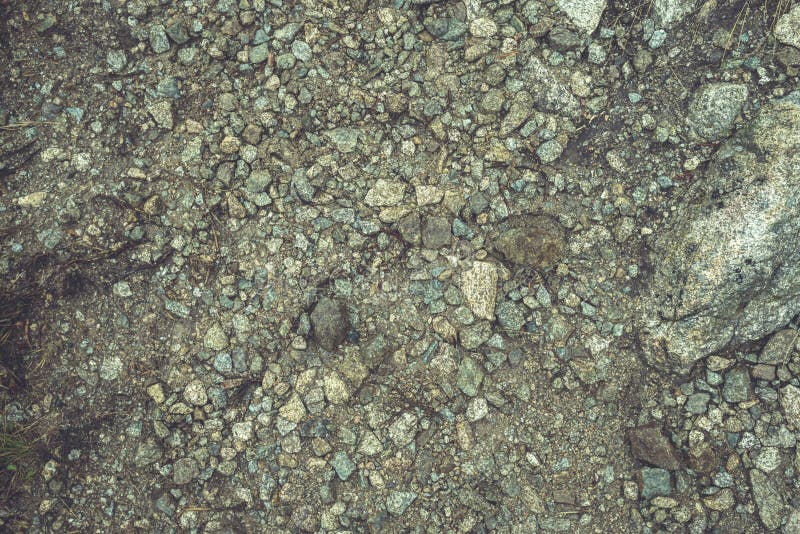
x,y
534,242
116,59
258,181
288,31
344,139
403,430
158,39
301,50
552,93
445,28
790,402
549,151
473,336
650,445
510,315
436,232
780,346
259,53
655,482
195,393
697,403
215,338
162,114
385,193
737,385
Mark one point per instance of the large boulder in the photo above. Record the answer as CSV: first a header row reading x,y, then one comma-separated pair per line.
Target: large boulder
x,y
726,268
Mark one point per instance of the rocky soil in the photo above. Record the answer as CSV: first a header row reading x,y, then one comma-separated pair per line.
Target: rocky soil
x,y
400,266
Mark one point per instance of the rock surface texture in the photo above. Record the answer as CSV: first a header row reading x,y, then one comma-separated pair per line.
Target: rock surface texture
x,y
399,266
726,269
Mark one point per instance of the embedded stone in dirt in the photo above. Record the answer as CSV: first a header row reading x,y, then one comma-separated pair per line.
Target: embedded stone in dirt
x,y
436,232
649,445
329,322
714,109
479,286
768,499
184,471
584,14
668,12
536,242
779,348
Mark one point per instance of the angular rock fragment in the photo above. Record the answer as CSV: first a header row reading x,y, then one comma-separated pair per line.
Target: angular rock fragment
x,y
649,445
779,348
790,402
726,268
668,12
436,232
714,109
330,324
551,94
479,286
787,29
535,242
585,14
768,499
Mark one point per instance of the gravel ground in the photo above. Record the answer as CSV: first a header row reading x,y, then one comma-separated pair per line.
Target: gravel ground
x,y
400,266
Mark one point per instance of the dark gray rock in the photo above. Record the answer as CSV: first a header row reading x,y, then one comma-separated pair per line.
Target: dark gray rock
x,y
177,32
329,323
409,228
726,269
470,376
116,59
259,53
510,315
158,39
650,445
398,501
437,232
562,39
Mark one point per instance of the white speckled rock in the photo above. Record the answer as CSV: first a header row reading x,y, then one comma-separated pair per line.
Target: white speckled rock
x,y
479,286
585,14
726,268
787,29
